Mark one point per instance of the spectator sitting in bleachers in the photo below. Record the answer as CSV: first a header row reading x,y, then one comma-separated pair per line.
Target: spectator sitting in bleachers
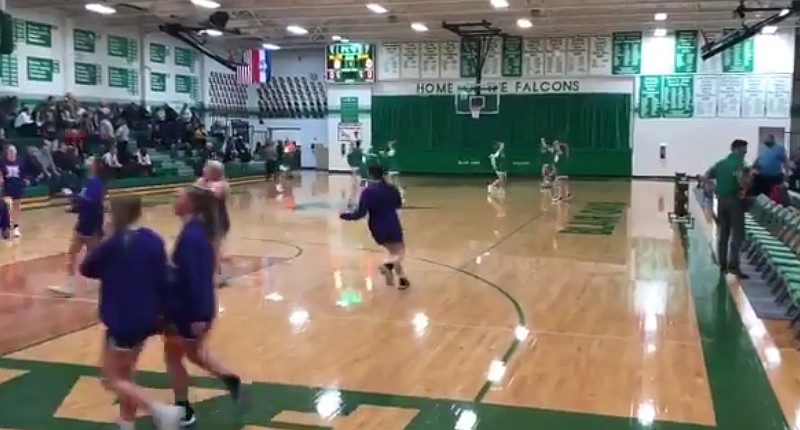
x,y
24,124
61,131
32,167
200,137
143,161
111,164
68,162
45,157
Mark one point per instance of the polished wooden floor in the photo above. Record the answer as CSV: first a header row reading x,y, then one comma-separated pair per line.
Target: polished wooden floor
x,y
520,316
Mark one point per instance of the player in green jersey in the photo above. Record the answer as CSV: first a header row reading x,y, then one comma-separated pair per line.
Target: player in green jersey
x,y
498,161
561,189
392,166
371,158
548,174
355,158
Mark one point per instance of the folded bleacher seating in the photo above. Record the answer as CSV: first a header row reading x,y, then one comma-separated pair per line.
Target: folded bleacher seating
x,y
772,236
292,97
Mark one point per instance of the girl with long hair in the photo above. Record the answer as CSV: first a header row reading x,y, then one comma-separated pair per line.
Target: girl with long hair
x,y
213,179
131,264
380,200
90,205
191,305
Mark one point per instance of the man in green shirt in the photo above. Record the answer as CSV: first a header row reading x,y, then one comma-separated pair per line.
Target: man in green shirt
x,y
730,176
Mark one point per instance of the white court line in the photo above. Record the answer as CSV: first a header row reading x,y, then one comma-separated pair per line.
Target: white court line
x,y
53,297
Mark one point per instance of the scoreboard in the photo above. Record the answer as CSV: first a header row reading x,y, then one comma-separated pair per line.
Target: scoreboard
x,y
350,63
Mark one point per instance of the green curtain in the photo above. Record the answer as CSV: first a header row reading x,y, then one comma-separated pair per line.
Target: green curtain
x,y
434,139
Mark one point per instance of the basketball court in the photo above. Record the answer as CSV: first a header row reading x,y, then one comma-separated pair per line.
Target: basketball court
x,y
520,316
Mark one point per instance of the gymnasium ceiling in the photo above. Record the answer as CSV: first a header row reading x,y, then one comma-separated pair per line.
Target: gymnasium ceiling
x,y
266,20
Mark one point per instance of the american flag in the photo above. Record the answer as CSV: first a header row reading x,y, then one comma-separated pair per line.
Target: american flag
x,y
256,68
244,74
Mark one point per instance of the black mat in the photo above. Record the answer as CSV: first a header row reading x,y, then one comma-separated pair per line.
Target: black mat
x,y
756,288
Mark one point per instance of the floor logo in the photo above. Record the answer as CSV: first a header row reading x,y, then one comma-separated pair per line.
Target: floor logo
x,y
596,218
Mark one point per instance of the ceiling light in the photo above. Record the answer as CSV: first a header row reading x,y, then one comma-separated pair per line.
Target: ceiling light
x,y
524,23
270,46
296,29
100,8
375,7
769,29
345,40
213,32
785,12
207,4
418,26
660,32
499,4
660,16
336,38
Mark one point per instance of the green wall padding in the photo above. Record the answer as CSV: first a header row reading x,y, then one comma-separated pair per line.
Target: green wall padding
x,y
433,139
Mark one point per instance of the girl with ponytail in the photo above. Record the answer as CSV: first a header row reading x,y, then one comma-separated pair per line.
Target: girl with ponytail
x,y
213,179
131,264
192,304
380,201
90,205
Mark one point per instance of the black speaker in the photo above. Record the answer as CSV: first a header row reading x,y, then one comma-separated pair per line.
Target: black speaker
x,y
6,34
219,20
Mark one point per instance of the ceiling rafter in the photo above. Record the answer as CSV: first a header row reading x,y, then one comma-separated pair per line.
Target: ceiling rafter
x,y
262,20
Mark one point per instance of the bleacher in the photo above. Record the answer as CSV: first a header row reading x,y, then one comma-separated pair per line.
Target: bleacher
x,y
292,97
772,241
173,158
225,93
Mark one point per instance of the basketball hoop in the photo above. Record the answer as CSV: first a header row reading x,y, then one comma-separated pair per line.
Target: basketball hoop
x,y
475,106
475,111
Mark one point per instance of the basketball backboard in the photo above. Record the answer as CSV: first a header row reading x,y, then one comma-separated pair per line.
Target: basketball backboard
x,y
466,101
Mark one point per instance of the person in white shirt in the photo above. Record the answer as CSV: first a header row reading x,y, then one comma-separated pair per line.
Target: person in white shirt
x,y
123,133
24,124
106,129
143,161
111,162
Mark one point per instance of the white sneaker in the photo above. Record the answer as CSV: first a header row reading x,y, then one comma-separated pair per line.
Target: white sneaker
x,y
167,417
15,232
64,291
387,274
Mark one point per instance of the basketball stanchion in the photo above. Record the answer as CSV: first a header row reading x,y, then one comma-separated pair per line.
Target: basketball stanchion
x,y
680,213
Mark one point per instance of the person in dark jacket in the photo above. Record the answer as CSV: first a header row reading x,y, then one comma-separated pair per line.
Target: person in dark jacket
x,y
12,181
381,200
191,305
89,204
131,264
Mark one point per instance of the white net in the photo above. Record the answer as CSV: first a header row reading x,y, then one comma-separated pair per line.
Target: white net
x,y
475,111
